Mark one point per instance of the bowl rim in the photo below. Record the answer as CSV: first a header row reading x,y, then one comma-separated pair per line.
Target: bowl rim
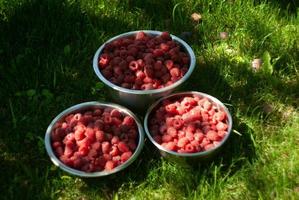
x,y
196,154
87,105
154,91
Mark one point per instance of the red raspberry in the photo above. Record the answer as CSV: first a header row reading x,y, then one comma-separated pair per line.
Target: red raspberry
x,y
140,35
100,136
104,60
168,64
171,108
166,138
190,136
172,132
165,36
164,47
123,147
177,123
221,126
207,105
140,75
130,58
199,136
58,151
105,147
208,146
147,80
222,133
148,70
134,65
129,121
114,151
219,116
126,156
116,113
158,52
171,146
189,148
115,140
175,72
212,135
109,165
96,146
183,142
148,86
90,134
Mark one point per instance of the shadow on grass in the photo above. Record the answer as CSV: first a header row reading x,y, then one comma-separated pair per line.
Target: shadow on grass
x,y
44,45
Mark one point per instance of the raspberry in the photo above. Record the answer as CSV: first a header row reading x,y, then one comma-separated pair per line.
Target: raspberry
x,y
116,113
114,151
165,36
164,47
212,135
96,146
105,147
129,121
190,136
182,142
189,148
90,134
177,123
208,146
166,138
58,151
219,116
207,105
100,135
140,36
115,140
148,86
125,156
171,108
140,75
222,133
175,72
172,131
104,60
198,136
171,146
123,147
221,126
158,52
109,165
134,65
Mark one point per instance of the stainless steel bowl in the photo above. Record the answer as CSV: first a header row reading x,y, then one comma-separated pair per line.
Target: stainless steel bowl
x,y
141,99
186,157
87,106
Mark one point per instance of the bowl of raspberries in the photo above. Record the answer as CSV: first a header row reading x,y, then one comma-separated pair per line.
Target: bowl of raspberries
x,y
142,66
190,125
94,139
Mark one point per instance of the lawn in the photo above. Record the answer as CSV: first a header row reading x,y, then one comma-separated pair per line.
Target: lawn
x,y
46,50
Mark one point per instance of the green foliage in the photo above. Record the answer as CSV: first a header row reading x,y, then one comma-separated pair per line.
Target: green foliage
x,y
46,50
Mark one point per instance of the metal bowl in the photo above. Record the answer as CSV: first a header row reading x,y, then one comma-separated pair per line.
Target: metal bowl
x,y
88,106
187,157
140,99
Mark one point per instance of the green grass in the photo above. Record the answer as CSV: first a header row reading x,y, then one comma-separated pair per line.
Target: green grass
x,y
46,49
